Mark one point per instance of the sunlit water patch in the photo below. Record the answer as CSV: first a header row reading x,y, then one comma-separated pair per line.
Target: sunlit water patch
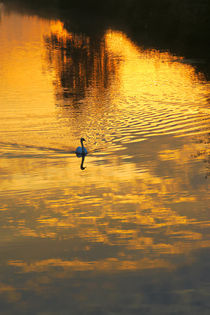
x,y
130,94
112,93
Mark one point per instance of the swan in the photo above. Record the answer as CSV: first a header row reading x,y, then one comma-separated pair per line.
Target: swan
x,y
81,151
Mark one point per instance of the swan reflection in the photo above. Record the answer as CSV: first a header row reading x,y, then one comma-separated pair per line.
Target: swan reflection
x,y
83,159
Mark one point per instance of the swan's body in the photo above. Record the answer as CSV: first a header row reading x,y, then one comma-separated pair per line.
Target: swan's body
x,y
81,151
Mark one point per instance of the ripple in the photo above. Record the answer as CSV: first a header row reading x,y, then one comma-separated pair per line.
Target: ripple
x,y
163,122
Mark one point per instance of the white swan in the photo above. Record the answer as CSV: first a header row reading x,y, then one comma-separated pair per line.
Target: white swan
x,y
81,151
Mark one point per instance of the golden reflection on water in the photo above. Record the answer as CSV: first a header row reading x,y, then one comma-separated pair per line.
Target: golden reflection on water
x,y
115,92
146,198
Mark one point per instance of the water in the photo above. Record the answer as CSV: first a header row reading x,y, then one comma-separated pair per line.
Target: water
x,y
129,234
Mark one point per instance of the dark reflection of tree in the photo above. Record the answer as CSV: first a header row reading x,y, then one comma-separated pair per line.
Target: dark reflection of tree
x,y
81,62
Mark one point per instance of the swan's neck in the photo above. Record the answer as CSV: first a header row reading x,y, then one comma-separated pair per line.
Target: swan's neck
x,y
82,144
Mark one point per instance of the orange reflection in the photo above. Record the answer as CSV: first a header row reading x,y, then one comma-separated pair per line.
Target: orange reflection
x,y
156,77
21,60
118,95
114,87
146,62
105,265
57,27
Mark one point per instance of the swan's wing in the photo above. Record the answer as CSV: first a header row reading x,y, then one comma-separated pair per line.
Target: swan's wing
x,y
79,150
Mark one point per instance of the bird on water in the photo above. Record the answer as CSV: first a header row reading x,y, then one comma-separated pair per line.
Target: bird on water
x,y
81,151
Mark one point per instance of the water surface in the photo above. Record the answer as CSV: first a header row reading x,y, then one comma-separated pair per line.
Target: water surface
x,y
129,234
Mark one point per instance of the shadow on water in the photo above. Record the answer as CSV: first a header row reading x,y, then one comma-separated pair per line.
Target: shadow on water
x,y
81,62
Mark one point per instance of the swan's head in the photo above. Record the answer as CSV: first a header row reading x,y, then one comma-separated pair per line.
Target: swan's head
x,y
82,139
